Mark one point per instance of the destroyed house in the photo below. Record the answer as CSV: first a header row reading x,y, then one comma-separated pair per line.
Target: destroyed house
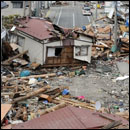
x,y
49,44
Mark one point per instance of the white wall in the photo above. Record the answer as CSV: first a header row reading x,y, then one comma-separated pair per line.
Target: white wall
x,y
81,37
12,11
108,6
57,43
35,50
83,58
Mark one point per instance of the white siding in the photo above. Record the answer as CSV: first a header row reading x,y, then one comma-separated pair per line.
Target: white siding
x,y
84,38
35,50
83,58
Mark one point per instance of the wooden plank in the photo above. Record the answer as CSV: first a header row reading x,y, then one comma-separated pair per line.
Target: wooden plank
x,y
52,108
125,49
68,64
75,103
53,92
45,96
4,110
34,65
12,58
112,124
100,46
39,76
35,93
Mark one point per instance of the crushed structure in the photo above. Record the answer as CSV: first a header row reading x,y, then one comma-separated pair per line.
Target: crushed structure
x,y
55,77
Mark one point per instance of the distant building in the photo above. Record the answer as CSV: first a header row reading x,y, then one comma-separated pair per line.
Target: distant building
x,y
3,30
16,7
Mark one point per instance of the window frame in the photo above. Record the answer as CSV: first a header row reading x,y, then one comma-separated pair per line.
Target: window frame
x,y
80,47
16,5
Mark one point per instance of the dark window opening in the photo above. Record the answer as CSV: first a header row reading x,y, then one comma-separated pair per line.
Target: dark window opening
x,y
58,51
18,5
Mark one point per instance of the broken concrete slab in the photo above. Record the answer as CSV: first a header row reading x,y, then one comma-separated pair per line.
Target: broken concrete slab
x,y
123,67
103,69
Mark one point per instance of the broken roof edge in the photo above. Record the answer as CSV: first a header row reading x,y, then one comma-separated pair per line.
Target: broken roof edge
x,y
85,34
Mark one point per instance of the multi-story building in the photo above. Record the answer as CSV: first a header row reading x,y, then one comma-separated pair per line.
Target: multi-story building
x,y
16,7
3,30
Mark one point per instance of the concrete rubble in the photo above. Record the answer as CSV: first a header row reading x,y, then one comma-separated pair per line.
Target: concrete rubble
x,y
29,91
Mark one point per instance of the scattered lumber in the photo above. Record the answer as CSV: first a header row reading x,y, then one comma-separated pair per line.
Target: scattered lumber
x,y
30,94
75,103
45,96
100,46
39,76
6,62
52,108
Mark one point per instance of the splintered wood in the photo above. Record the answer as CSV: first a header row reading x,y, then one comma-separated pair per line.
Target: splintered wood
x,y
31,94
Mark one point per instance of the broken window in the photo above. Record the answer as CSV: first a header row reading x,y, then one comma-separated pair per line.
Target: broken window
x,y
58,51
81,50
54,52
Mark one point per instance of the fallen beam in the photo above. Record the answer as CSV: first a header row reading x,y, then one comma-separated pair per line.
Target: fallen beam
x,y
39,76
100,46
58,65
112,124
35,93
74,103
52,108
124,49
100,18
12,58
45,96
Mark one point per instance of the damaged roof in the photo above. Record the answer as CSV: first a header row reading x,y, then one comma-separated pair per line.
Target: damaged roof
x,y
36,27
69,118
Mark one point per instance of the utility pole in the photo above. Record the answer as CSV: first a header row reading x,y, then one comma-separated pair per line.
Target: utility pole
x,y
48,4
115,26
37,9
30,11
96,10
24,7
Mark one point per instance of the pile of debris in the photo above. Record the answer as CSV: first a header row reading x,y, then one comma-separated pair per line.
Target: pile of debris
x,y
27,97
104,34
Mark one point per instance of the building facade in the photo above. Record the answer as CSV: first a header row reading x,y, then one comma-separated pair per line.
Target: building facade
x,y
16,7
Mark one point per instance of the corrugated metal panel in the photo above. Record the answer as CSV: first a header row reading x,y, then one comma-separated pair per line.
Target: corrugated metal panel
x,y
68,118
62,118
92,119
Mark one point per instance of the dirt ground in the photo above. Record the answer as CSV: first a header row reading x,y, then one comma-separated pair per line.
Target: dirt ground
x,y
98,87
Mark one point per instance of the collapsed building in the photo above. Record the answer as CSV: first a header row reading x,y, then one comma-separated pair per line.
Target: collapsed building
x,y
50,44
